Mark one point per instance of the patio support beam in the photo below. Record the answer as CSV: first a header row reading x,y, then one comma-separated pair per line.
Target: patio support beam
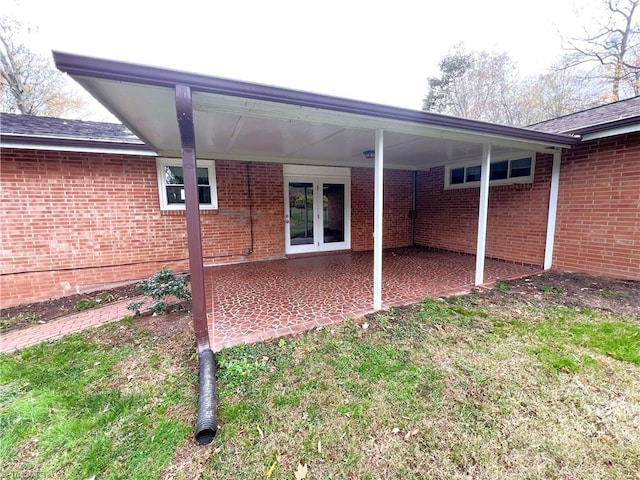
x,y
377,220
482,213
184,111
553,208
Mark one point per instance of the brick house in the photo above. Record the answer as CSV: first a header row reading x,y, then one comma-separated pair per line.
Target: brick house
x,y
86,205
598,219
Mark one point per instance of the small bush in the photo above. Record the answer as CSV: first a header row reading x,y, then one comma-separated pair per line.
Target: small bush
x,y
26,317
551,289
503,286
159,287
87,303
610,294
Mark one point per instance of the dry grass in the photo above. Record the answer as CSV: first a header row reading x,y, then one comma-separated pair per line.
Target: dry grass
x,y
441,391
500,385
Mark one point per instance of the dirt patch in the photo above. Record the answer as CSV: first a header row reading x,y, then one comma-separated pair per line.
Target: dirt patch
x,y
24,316
168,324
542,290
168,327
568,289
189,461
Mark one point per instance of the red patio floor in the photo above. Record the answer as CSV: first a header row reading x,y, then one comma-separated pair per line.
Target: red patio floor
x,y
255,301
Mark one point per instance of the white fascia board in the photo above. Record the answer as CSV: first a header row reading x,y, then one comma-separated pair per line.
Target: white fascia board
x,y
610,133
71,148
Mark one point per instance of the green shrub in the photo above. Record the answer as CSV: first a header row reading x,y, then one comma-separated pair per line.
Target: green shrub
x,y
503,286
87,303
27,317
552,289
158,287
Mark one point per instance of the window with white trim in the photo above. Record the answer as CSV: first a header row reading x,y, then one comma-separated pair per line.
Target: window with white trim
x,y
501,172
171,184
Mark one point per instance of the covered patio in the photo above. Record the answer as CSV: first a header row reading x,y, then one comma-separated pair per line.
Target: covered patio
x,y
189,116
255,301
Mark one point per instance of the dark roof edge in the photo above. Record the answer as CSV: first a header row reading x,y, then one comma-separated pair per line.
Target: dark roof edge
x,y
73,142
623,122
135,73
590,109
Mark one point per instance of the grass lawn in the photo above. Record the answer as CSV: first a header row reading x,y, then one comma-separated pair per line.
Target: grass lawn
x,y
456,388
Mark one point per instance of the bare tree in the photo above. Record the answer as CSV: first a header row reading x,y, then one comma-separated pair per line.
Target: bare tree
x,y
614,46
476,84
30,84
486,86
553,94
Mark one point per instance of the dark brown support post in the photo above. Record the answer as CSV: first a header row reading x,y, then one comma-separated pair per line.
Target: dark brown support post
x,y
184,110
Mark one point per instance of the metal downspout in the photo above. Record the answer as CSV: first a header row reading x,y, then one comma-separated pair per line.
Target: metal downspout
x,y
206,424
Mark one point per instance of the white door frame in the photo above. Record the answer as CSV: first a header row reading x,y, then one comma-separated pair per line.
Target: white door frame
x,y
318,176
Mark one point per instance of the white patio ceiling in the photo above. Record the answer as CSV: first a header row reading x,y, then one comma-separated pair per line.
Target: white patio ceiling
x,y
234,127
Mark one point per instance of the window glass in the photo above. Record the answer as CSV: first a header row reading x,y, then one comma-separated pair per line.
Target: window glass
x,y
171,181
473,174
520,167
203,176
457,176
499,171
173,176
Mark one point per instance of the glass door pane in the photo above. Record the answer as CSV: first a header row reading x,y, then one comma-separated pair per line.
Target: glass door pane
x,y
333,212
301,213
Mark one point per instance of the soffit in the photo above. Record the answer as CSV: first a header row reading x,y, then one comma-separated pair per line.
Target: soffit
x,y
251,129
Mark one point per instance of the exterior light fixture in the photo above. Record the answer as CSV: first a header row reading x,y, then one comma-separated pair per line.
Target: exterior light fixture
x,y
369,154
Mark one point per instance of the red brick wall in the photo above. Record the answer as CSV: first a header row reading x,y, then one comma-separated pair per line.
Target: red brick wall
x,y
398,201
75,221
598,223
72,222
516,221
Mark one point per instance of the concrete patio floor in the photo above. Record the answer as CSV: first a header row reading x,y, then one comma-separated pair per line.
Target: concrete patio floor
x,y
254,301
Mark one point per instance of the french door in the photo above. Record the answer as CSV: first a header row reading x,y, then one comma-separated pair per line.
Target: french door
x,y
317,209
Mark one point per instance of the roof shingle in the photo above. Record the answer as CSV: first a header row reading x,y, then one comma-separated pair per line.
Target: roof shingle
x,y
60,128
600,118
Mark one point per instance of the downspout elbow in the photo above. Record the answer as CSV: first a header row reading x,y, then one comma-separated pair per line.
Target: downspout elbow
x,y
206,424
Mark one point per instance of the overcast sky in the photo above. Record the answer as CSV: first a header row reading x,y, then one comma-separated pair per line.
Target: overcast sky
x,y
378,51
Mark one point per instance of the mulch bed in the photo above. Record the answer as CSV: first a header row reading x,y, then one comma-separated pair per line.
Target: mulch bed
x,y
43,312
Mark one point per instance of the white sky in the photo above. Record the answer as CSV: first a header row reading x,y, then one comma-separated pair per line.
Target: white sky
x,y
378,51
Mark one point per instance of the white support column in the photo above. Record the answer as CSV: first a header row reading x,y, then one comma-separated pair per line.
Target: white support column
x,y
377,221
553,208
482,212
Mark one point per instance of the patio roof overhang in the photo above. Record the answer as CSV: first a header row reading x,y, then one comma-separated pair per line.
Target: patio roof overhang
x,y
236,120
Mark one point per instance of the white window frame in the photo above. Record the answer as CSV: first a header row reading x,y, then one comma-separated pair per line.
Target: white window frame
x,y
210,165
505,181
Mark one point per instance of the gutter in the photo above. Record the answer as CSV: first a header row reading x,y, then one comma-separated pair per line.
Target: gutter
x,y
8,140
